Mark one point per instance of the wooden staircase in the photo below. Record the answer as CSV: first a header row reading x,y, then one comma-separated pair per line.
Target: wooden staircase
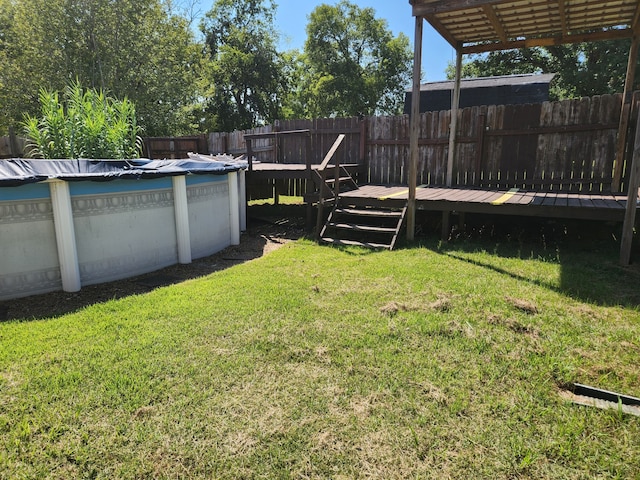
x,y
371,227
350,224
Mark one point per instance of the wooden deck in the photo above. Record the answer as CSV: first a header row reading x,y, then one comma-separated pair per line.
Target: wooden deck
x,y
503,202
550,204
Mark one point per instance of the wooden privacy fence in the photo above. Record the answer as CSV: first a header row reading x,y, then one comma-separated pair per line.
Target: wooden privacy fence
x,y
12,146
568,145
174,147
292,148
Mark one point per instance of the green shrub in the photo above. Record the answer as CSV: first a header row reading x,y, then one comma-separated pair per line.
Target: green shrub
x,y
87,124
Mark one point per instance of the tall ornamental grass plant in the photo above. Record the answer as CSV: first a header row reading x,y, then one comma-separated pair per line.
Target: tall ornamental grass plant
x,y
84,124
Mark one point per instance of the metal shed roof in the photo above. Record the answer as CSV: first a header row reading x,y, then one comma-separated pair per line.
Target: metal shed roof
x,y
484,82
474,26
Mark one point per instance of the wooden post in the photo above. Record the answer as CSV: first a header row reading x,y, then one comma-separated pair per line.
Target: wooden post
x,y
363,169
13,143
453,129
446,225
276,193
309,179
625,112
632,199
249,153
147,146
414,130
322,172
363,141
225,143
276,142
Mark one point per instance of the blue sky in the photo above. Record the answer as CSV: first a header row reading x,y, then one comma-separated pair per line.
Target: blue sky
x,y
291,19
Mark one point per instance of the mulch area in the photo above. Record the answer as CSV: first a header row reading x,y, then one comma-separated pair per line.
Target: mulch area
x,y
262,236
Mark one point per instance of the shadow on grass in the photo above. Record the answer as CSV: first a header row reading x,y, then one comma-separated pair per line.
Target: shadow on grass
x,y
587,252
267,229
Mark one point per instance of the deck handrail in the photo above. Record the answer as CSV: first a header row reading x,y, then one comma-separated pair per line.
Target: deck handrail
x,y
321,171
332,152
251,136
275,134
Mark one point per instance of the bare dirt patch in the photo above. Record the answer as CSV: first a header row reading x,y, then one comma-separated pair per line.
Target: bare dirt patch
x,y
263,235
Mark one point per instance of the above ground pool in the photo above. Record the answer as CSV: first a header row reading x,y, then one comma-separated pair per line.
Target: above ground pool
x,y
69,223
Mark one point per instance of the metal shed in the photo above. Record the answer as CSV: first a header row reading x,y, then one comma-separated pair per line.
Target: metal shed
x,y
499,90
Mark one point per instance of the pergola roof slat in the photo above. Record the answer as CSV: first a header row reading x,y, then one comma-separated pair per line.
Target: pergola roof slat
x,y
487,25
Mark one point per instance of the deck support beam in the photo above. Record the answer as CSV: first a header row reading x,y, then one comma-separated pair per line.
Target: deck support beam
x,y
625,113
414,130
632,199
446,225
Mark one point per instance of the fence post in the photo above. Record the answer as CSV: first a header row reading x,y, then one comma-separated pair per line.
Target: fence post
x,y
13,143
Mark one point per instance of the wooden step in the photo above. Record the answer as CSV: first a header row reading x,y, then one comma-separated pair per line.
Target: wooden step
x,y
341,179
338,241
361,228
344,165
369,212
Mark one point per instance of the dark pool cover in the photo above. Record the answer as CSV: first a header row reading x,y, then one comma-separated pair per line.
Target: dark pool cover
x,y
18,171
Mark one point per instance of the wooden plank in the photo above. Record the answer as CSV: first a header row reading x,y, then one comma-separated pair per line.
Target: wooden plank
x,y
478,195
522,198
573,201
464,195
437,193
549,199
485,196
585,201
505,197
561,200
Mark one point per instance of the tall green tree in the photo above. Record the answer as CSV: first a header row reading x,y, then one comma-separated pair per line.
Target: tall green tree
x,y
584,69
128,48
354,64
245,69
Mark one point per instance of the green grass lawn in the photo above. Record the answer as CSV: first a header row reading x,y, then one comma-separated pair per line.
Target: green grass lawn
x,y
317,362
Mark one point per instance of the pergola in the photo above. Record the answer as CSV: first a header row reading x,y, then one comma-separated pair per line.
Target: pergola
x,y
477,26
